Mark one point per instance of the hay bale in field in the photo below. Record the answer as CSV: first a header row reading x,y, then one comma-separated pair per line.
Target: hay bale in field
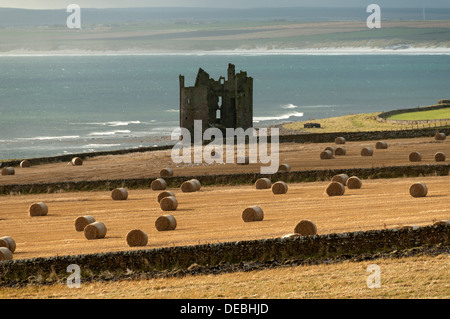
x,y
442,223
330,148
305,228
197,183
243,160
339,140
340,151
440,137
119,194
366,151
188,187
83,221
8,171
335,189
76,161
412,227
284,168
8,242
168,203
291,235
341,178
136,237
263,183
165,223
164,194
418,190
25,164
327,154
252,214
38,209
279,188
96,230
439,157
5,254
415,157
158,184
166,172
354,183
381,145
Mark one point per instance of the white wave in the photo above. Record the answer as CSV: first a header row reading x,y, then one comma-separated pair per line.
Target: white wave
x,y
286,116
109,133
289,106
45,138
172,111
100,145
122,123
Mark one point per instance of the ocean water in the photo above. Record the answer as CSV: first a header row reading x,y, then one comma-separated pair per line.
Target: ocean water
x,y
53,105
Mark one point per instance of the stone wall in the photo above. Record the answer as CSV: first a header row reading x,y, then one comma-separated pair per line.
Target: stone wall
x,y
117,264
229,179
384,117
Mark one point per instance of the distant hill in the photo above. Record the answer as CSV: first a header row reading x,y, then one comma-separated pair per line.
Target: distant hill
x,y
20,17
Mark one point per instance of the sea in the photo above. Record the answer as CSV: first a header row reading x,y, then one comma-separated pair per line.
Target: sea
x,y
69,104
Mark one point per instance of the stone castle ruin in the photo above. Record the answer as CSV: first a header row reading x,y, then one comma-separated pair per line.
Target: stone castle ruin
x,y
222,103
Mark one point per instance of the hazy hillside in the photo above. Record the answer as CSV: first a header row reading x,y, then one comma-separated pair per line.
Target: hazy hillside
x,y
20,17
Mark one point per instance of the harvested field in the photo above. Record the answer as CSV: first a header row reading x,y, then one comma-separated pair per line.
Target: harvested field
x,y
378,204
299,156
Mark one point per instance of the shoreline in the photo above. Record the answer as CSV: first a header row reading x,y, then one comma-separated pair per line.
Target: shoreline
x,y
239,52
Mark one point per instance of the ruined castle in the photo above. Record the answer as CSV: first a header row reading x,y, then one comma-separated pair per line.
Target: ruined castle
x,y
222,103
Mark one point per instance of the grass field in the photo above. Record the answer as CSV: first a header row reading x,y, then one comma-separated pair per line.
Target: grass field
x,y
423,115
406,278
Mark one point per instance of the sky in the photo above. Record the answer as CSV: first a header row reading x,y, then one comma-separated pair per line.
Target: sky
x,y
59,4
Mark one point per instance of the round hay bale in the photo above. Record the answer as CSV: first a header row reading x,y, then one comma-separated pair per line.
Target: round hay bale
x,y
305,228
327,154
340,151
284,168
38,209
165,222
166,172
335,189
341,178
188,187
381,145
243,160
418,190
354,183
5,254
279,188
442,223
439,157
330,148
291,235
83,221
168,203
440,137
8,242
165,194
263,183
76,161
25,164
96,230
119,194
252,214
415,157
158,184
367,151
8,171
339,140
197,183
137,237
